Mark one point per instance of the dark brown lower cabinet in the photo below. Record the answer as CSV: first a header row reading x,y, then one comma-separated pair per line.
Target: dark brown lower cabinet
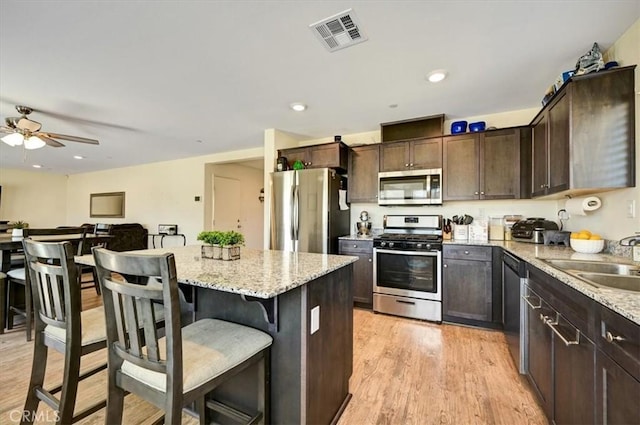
x,y
539,350
471,286
573,359
617,393
617,368
561,355
362,270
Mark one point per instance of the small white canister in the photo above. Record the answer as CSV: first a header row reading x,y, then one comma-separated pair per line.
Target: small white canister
x,y
460,231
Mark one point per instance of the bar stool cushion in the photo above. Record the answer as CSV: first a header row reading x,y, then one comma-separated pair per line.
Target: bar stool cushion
x,y
18,274
93,329
210,347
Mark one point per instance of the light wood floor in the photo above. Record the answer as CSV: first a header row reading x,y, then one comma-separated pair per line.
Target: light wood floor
x,y
405,372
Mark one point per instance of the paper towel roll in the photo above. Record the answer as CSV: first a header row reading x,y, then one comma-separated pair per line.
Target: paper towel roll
x,y
583,205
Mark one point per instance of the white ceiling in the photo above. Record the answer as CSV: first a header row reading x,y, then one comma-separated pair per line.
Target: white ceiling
x,y
151,79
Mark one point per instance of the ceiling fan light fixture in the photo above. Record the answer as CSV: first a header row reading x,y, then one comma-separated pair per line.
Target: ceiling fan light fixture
x,y
34,142
13,139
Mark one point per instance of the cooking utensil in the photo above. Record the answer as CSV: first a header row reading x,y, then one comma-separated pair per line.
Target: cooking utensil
x,y
467,219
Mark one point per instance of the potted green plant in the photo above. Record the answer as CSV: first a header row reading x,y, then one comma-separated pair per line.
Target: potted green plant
x,y
231,242
18,227
221,245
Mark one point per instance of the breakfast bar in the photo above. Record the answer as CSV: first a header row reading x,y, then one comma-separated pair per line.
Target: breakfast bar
x,y
303,300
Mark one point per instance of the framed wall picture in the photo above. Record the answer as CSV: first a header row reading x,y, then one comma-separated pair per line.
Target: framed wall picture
x,y
109,204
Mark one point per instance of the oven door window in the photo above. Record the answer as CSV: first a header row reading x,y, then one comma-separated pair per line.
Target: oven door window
x,y
407,271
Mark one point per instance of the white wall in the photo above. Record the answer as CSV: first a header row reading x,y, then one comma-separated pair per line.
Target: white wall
x,y
36,197
158,193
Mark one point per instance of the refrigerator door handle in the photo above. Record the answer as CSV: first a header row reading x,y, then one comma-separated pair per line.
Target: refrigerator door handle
x,y
296,211
292,229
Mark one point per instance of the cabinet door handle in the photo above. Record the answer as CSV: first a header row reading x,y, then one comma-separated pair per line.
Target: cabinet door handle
x,y
370,260
613,338
553,325
535,307
445,266
466,253
475,193
406,165
481,193
355,246
410,165
541,186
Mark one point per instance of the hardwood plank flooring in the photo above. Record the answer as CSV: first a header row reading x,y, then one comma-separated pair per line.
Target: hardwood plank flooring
x,y
405,372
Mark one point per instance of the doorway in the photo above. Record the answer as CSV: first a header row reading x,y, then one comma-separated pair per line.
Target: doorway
x,y
234,199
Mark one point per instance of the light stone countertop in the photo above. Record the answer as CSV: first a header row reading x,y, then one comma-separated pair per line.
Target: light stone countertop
x,y
625,303
261,274
357,238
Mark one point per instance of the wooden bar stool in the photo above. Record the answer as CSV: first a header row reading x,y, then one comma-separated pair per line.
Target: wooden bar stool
x,y
188,363
17,277
3,301
60,324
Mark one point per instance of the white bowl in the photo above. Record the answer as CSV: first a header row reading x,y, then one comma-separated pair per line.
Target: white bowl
x,y
587,246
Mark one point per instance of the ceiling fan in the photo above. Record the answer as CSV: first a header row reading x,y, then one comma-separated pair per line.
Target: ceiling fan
x,y
22,130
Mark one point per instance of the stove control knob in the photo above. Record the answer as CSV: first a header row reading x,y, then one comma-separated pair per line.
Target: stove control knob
x,y
418,245
383,244
391,244
428,246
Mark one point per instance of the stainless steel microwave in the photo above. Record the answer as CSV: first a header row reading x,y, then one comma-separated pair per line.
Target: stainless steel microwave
x,y
411,187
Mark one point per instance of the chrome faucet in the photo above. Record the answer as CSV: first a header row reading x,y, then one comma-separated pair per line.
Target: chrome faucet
x,y
630,240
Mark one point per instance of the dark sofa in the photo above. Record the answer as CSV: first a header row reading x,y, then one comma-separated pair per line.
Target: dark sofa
x,y
126,236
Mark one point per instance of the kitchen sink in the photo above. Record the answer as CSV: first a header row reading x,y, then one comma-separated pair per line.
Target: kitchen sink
x,y
595,267
627,283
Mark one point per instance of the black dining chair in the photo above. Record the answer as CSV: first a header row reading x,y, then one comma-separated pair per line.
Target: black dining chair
x,y
186,364
60,324
17,278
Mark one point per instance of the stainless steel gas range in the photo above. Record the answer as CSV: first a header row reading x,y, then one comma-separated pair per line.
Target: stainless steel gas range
x,y
407,267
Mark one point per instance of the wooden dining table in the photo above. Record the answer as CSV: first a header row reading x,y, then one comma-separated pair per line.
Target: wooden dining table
x,y
9,243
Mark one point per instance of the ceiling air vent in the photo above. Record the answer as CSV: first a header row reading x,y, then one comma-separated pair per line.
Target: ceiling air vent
x,y
339,31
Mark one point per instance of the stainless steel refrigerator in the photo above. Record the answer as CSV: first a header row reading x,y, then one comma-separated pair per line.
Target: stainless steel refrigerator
x,y
305,211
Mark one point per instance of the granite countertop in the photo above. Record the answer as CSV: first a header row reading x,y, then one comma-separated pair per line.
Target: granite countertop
x,y
261,274
625,303
357,237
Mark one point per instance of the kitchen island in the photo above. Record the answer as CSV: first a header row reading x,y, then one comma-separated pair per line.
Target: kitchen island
x,y
304,301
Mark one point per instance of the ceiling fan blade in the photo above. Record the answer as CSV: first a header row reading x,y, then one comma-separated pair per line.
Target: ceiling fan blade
x,y
69,138
49,141
27,124
7,130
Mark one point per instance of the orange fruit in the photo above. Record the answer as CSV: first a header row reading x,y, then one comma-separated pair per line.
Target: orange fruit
x,y
595,237
574,235
586,232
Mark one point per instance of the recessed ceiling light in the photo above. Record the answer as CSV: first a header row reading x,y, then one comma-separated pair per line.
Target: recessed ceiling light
x,y
437,75
78,157
37,166
298,107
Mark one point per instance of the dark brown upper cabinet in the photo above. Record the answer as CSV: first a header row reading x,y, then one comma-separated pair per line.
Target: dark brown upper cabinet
x,y
487,165
326,155
416,128
584,138
412,155
363,173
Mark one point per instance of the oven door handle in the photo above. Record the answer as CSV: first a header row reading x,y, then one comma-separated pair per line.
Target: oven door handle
x,y
432,253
